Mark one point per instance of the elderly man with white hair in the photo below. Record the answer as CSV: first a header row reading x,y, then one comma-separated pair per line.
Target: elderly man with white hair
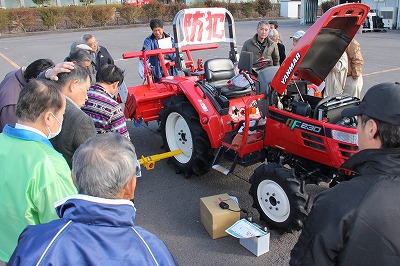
x,y
276,37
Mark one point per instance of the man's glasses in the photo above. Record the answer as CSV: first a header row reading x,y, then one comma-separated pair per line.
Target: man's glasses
x,y
138,169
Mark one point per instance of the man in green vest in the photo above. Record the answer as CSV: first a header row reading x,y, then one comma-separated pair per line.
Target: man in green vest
x,y
33,176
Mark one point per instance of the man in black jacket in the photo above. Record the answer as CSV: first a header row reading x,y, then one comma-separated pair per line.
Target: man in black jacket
x,y
77,127
357,221
101,56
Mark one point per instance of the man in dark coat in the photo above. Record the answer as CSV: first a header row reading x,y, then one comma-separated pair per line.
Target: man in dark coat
x,y
77,127
101,56
357,221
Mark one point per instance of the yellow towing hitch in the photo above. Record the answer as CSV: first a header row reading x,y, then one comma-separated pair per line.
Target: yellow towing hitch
x,y
149,161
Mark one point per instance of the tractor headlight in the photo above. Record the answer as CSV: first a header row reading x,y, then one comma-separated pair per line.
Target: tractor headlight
x,y
345,137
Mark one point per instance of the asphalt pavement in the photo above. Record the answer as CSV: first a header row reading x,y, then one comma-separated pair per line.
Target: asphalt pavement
x,y
167,203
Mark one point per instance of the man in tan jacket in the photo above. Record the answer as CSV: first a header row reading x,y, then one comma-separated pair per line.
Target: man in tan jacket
x,y
336,79
354,81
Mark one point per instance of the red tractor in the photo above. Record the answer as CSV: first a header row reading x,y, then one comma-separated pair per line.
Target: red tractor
x,y
268,116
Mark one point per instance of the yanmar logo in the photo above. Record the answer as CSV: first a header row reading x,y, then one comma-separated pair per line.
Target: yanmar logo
x,y
292,123
290,69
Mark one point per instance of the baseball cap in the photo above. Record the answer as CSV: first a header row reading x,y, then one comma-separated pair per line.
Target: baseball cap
x,y
298,34
381,102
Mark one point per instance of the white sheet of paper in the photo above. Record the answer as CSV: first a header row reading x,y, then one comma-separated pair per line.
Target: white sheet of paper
x,y
165,43
235,200
244,229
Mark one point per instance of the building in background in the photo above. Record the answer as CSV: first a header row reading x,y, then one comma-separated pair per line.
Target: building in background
x,y
290,9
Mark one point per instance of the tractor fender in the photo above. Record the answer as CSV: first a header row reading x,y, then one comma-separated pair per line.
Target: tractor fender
x,y
210,119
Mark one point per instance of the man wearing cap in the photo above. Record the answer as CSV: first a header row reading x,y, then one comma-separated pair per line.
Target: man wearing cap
x,y
261,46
297,36
75,46
357,221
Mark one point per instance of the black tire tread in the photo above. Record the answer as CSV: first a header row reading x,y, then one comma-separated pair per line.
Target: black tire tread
x,y
294,190
201,160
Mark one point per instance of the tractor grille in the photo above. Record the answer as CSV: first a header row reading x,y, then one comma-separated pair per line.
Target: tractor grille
x,y
347,150
313,141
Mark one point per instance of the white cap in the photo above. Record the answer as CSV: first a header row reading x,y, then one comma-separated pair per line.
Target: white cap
x,y
298,35
79,45
84,47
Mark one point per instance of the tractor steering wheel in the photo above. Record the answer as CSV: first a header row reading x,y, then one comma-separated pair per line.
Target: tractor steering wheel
x,y
260,64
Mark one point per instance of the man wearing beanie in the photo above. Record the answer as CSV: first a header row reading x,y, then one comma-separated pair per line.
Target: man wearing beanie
x,y
357,221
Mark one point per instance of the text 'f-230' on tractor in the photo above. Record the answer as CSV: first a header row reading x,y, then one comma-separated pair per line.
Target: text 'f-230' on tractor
x,y
224,110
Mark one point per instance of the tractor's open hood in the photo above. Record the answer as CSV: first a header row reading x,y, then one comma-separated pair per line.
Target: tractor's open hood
x,y
322,45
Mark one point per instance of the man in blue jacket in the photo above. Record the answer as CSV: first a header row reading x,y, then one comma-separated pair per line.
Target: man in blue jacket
x,y
151,43
96,226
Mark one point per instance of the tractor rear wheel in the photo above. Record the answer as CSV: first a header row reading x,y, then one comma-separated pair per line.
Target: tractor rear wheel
x,y
181,129
279,197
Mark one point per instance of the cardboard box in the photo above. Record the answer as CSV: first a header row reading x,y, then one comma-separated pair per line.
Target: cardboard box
x,y
215,219
257,245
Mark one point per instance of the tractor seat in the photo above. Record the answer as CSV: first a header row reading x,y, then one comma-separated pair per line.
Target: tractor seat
x,y
218,71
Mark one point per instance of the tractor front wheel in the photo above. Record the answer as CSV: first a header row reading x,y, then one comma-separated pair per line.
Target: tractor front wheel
x,y
279,197
181,129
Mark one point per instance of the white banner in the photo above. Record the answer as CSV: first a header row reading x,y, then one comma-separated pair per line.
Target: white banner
x,y
202,25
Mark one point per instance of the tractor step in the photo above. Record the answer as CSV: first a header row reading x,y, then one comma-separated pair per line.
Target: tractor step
x,y
221,154
221,169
